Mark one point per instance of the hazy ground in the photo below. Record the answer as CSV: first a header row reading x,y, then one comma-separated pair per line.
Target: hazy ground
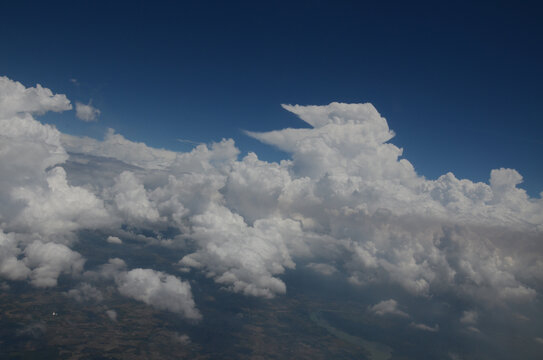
x,y
319,318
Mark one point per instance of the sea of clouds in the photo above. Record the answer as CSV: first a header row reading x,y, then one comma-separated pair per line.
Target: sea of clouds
x,y
345,202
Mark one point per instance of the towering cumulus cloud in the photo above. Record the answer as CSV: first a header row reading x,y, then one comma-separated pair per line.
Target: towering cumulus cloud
x,y
346,203
349,183
40,211
36,199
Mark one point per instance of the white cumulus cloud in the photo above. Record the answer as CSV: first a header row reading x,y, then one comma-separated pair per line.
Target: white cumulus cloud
x,y
345,202
163,291
346,197
114,240
39,210
86,112
49,260
15,99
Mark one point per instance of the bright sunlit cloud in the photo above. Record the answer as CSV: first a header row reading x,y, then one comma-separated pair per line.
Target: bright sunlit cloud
x,y
345,203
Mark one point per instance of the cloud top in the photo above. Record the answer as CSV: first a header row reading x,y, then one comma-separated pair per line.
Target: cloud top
x,y
15,99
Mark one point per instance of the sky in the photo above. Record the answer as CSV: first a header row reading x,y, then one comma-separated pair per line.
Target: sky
x,y
459,83
391,148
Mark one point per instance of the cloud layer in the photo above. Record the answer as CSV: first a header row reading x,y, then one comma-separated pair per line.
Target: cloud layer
x,y
346,202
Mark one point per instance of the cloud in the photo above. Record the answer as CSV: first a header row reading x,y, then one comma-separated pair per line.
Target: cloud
x,y
16,99
131,199
85,292
386,307
349,155
345,202
469,317
399,226
11,267
39,210
163,291
244,258
116,146
34,192
114,240
112,315
86,112
38,202
95,173
29,148
109,270
182,339
156,288
186,141
324,269
424,327
473,329
59,207
49,260
346,197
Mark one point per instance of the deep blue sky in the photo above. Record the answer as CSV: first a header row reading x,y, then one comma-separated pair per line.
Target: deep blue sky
x,y
460,83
